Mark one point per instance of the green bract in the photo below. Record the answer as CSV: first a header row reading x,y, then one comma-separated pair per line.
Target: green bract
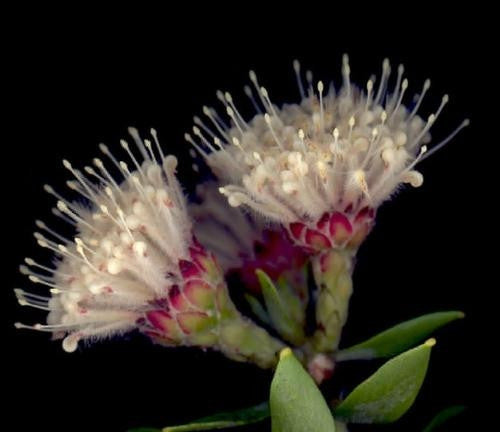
x,y
296,403
398,338
390,391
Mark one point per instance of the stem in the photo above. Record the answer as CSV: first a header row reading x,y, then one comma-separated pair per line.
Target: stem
x,y
333,275
242,340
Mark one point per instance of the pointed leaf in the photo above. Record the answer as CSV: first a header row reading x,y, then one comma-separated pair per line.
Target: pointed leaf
x,y
296,403
242,417
257,309
443,416
390,391
399,338
278,310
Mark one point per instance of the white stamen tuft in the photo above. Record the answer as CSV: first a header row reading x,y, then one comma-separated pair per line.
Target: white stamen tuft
x,y
377,141
126,249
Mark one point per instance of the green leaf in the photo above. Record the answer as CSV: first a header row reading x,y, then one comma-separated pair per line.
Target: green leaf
x,y
390,391
223,420
279,311
443,416
257,309
296,403
399,338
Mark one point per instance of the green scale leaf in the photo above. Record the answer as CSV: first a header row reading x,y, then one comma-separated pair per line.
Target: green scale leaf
x,y
296,403
279,309
399,338
390,391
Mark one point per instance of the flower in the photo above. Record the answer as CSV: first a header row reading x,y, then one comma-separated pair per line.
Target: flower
x,y
323,166
319,169
135,264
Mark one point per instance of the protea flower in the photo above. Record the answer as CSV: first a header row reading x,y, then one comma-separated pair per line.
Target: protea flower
x,y
135,264
320,168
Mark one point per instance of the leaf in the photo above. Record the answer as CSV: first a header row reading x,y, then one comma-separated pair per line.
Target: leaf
x,y
399,338
443,416
278,310
257,309
242,417
296,403
390,391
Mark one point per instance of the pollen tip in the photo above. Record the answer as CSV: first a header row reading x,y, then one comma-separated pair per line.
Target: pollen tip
x,y
24,270
40,224
132,131
104,148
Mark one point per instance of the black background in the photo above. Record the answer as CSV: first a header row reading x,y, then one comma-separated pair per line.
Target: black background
x,y
80,77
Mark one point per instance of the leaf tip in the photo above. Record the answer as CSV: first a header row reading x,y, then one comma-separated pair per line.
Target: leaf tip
x,y
285,352
461,314
430,342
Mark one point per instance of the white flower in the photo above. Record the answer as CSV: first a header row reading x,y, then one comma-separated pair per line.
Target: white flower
x,y
325,163
133,245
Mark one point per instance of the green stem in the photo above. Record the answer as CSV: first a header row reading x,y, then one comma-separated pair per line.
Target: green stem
x,y
333,275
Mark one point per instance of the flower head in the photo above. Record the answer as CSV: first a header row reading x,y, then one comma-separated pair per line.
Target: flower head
x,y
134,262
323,166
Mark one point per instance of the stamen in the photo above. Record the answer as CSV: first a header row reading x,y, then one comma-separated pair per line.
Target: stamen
x,y
63,207
134,133
386,71
404,86
296,68
100,165
265,95
65,218
229,100
211,117
346,71
369,90
452,135
81,179
253,79
154,134
320,91
190,140
125,146
425,87
248,92
267,118
42,225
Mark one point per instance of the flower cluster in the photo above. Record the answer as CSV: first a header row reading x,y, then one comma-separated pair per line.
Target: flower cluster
x,y
321,167
135,264
296,187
